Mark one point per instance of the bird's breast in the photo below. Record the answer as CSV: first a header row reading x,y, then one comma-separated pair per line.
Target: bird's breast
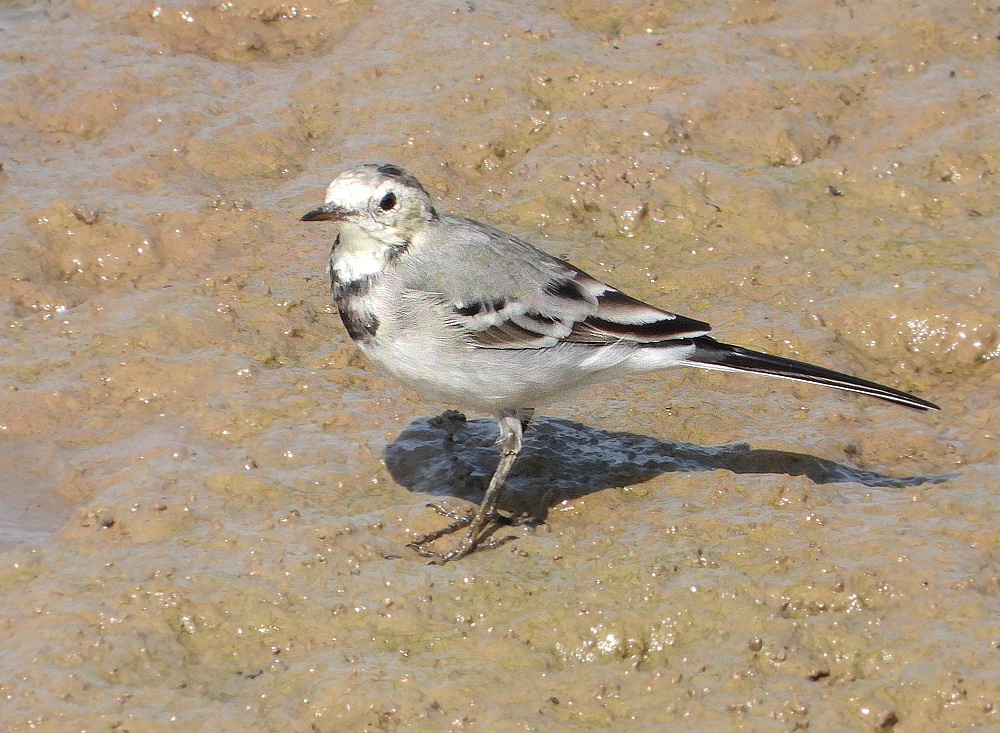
x,y
353,301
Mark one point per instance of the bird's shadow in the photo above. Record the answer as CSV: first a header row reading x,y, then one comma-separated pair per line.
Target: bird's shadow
x,y
447,455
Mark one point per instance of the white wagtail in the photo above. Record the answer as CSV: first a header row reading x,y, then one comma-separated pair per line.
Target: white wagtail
x,y
471,316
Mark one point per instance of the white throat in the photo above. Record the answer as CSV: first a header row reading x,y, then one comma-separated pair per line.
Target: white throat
x,y
358,254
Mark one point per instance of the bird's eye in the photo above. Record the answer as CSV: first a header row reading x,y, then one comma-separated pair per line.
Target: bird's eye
x,y
388,201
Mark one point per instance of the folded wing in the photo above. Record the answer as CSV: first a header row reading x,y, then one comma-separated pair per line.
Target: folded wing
x,y
576,308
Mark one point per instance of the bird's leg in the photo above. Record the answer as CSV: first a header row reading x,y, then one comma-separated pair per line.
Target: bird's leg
x,y
512,425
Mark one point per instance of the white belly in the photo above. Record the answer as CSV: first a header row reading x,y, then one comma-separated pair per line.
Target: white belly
x,y
495,379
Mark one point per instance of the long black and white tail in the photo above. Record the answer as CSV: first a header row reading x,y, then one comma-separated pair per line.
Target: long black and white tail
x,y
712,354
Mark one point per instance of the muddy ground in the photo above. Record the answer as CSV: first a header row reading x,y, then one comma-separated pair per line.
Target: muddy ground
x,y
206,492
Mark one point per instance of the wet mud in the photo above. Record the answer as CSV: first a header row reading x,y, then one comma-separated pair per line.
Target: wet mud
x,y
206,492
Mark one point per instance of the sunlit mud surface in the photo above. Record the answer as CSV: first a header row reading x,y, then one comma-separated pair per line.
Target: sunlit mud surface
x,y
206,493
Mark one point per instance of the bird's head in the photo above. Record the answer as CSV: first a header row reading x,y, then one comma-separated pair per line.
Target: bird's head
x,y
383,200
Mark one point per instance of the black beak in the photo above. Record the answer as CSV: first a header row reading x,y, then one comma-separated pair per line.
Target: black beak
x,y
326,212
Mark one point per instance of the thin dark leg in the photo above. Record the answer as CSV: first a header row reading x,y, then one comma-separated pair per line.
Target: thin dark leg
x,y
512,425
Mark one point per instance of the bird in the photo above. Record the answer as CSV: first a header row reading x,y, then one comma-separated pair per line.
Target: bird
x,y
471,316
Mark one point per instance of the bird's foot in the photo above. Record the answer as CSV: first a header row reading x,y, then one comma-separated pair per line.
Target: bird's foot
x,y
477,538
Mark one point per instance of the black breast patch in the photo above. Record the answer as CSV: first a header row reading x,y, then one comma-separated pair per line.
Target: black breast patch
x,y
361,323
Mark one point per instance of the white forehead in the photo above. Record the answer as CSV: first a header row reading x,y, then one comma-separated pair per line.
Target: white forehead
x,y
354,188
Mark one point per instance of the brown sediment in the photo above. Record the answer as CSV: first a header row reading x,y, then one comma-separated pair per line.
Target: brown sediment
x,y
208,492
